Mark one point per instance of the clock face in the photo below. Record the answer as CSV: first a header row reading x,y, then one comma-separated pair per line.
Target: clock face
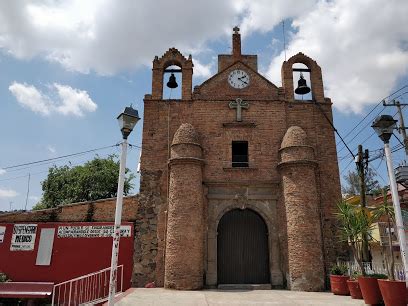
x,y
238,79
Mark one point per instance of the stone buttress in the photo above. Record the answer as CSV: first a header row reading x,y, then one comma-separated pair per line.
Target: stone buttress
x,y
297,168
185,228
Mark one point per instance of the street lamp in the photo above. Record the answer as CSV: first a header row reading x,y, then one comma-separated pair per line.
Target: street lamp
x,y
384,126
127,121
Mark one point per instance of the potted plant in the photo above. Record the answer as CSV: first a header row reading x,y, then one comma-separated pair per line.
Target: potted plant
x,y
354,287
338,280
356,222
393,291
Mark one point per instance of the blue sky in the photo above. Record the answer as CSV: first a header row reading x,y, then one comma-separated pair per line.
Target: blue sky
x,y
68,68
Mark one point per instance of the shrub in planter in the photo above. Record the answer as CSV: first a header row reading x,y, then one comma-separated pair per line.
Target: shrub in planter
x,y
354,287
394,292
3,277
338,280
370,289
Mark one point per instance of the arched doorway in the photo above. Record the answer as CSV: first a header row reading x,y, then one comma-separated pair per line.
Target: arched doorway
x,y
242,248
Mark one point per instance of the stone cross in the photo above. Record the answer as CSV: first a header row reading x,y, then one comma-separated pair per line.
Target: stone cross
x,y
239,104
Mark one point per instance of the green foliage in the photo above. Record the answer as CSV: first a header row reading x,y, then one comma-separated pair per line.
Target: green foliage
x,y
386,211
355,275
377,276
352,180
96,179
354,223
339,270
3,277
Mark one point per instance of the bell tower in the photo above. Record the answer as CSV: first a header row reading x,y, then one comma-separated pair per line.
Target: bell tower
x,y
238,154
172,57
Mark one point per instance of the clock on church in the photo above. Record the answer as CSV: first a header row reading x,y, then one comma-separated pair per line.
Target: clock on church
x,y
238,79
239,178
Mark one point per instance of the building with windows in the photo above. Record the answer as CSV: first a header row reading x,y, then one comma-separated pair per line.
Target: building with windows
x,y
239,182
240,176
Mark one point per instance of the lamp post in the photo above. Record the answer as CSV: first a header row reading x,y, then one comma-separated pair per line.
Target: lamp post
x,y
384,126
127,121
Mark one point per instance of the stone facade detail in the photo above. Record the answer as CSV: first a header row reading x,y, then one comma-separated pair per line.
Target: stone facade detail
x,y
300,196
185,218
188,181
291,182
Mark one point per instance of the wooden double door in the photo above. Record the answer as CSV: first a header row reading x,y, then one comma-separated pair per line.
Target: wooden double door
x,y
242,248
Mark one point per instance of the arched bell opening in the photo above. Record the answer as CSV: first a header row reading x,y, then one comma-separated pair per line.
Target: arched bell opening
x,y
302,82
172,83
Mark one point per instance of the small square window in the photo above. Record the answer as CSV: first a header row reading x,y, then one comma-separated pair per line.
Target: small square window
x,y
240,154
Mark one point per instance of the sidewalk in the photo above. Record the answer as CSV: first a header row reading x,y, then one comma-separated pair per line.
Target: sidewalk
x,y
162,297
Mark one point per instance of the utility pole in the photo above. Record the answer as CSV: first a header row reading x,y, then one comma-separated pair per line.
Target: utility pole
x,y
28,191
401,128
362,166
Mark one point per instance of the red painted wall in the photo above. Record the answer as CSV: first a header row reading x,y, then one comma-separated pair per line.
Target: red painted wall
x,y
71,257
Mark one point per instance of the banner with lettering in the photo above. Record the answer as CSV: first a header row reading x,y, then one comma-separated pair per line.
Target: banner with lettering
x,y
91,231
2,233
23,238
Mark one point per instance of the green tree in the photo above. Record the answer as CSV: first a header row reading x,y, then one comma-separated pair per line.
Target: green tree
x,y
354,223
352,180
386,211
96,179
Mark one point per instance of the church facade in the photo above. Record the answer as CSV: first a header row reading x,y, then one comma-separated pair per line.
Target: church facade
x,y
239,180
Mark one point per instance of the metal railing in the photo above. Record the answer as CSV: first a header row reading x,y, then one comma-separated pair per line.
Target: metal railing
x,y
88,289
384,240
371,268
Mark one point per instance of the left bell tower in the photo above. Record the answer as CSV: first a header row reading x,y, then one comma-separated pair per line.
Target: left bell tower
x,y
172,57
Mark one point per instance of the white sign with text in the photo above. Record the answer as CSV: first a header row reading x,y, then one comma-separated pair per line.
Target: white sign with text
x,y
2,233
23,238
91,231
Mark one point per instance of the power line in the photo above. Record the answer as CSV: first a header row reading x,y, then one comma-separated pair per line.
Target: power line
x,y
378,104
333,127
59,157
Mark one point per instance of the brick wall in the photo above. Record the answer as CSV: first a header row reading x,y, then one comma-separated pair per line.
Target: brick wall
x,y
98,211
272,110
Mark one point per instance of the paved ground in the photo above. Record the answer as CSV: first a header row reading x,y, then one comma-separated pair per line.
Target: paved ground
x,y
162,297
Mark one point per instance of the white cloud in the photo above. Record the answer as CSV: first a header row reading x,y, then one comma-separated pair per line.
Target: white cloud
x,y
69,101
29,97
108,35
74,101
362,49
202,70
2,171
360,45
264,15
7,193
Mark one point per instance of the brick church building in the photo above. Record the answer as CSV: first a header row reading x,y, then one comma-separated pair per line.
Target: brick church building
x,y
239,180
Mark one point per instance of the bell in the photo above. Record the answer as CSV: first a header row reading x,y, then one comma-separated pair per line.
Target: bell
x,y
172,82
302,88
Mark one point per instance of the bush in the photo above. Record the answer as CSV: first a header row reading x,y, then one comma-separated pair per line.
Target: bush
x,y
377,275
338,270
3,277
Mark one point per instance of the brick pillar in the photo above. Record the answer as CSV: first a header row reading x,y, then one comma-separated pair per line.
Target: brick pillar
x,y
187,79
305,256
185,225
236,43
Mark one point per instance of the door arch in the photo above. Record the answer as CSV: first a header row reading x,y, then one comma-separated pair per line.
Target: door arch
x,y
242,248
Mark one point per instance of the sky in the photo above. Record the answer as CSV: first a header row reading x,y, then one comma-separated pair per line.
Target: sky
x,y
68,68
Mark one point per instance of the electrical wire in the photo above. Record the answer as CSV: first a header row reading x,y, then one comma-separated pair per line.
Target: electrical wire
x,y
378,104
56,158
